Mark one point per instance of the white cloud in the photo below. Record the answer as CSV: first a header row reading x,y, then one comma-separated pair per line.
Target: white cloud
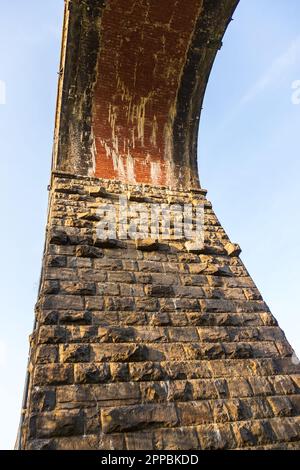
x,y
270,78
3,349
274,73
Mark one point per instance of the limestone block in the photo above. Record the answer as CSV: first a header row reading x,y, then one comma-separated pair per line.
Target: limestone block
x,y
91,373
138,417
53,374
74,352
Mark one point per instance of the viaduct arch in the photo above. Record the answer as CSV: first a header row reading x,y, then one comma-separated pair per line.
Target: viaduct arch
x,y
133,78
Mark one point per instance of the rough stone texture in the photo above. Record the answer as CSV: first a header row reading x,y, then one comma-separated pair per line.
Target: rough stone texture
x,y
137,350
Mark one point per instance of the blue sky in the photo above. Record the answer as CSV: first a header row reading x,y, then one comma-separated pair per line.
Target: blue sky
x,y
248,152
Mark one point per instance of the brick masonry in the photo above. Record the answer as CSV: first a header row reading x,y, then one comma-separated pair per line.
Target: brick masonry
x,y
136,90
133,77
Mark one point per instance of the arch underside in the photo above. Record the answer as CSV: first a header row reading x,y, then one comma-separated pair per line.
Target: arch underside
x,y
133,83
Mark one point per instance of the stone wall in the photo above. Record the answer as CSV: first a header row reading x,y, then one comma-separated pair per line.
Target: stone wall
x,y
151,346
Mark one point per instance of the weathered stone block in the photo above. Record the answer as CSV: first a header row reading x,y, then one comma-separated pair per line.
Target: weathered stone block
x,y
257,408
61,250
105,318
268,319
87,274
260,385
217,306
188,258
75,318
146,305
170,305
101,395
77,288
79,263
132,318
129,418
197,268
213,335
82,333
139,441
184,335
147,245
46,354
130,334
233,249
253,433
129,290
40,444
43,400
48,317
57,424
63,302
51,287
121,303
94,303
216,437
178,319
74,353
154,392
116,353
239,387
146,371
238,350
129,265
160,291
108,289
119,372
194,413
57,261
111,442
283,384
286,429
64,274
108,243
176,439
52,334
194,280
53,374
86,251
118,277
108,264
142,278
190,292
91,373
159,319
58,237
281,406
149,266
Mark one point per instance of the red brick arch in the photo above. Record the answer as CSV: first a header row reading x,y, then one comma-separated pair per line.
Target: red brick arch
x,y
142,56
133,79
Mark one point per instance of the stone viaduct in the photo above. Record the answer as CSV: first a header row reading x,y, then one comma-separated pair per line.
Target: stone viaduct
x,y
146,344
